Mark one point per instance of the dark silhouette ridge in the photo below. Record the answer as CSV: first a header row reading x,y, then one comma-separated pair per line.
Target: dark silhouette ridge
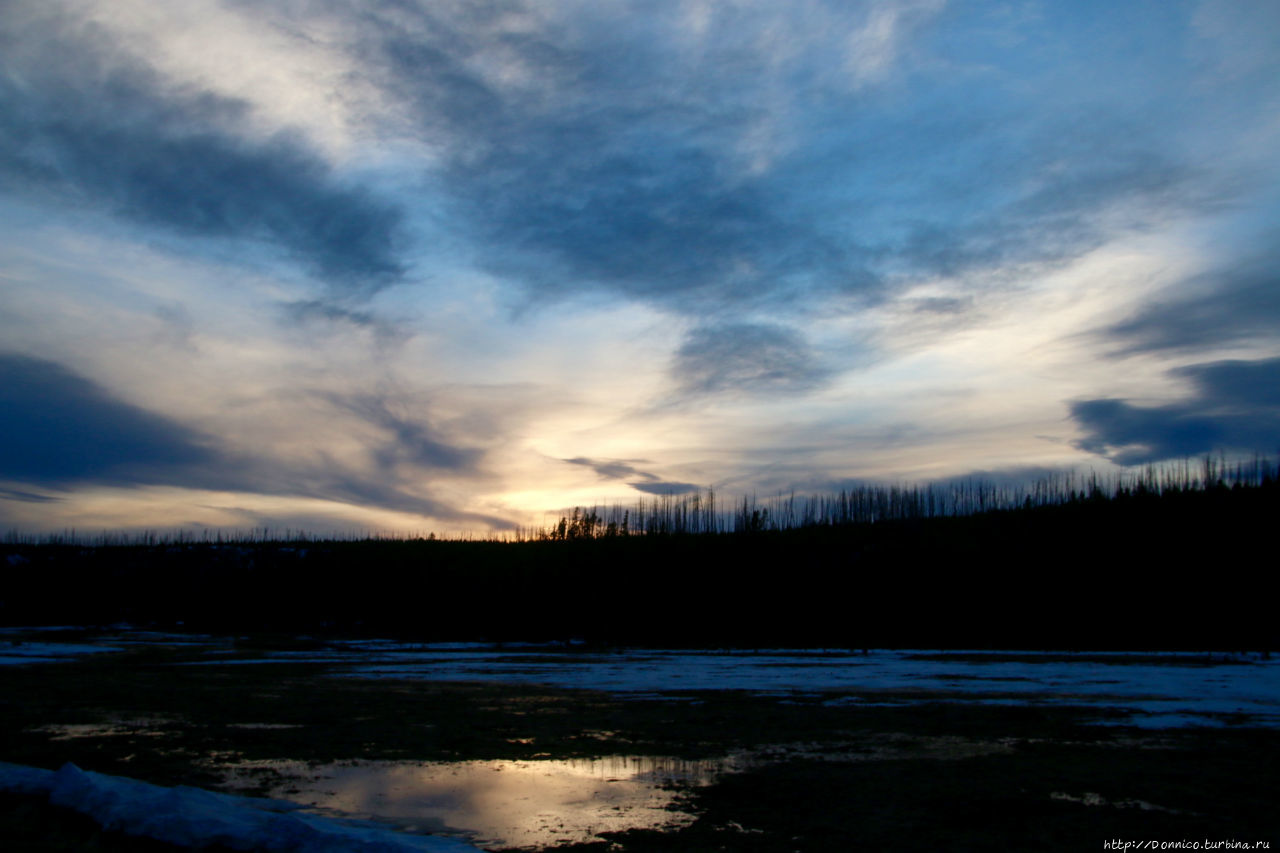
x,y
1139,568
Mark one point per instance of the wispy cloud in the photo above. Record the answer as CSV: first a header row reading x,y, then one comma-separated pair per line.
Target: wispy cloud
x,y
63,431
105,130
27,497
1225,307
750,358
587,156
613,469
641,481
409,440
323,315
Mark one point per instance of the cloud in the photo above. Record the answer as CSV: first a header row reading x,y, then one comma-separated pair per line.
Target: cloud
x,y
1238,38
98,128
408,440
326,315
585,153
1067,184
720,159
399,455
1230,386
751,358
61,428
1230,306
1235,406
707,210
770,159
941,305
361,488
612,469
27,497
641,481
663,487
873,47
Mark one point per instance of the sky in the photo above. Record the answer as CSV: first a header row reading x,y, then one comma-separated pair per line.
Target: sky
x,y
407,266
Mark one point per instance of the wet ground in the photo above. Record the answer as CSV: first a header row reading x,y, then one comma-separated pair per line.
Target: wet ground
x,y
535,747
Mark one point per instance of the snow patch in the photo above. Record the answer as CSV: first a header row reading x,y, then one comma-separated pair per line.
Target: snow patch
x,y
194,817
17,652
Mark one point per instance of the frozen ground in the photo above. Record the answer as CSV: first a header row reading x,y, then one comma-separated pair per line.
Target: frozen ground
x,y
546,799
28,645
12,653
17,645
1159,690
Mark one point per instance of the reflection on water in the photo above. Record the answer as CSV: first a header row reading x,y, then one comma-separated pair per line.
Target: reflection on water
x,y
543,802
499,803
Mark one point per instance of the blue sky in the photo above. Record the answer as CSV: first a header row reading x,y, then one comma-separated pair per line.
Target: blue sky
x,y
450,266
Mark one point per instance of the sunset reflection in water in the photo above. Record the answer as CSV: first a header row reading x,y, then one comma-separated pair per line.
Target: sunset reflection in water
x,y
500,803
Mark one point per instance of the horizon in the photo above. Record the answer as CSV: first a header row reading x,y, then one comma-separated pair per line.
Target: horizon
x,y
457,267
706,512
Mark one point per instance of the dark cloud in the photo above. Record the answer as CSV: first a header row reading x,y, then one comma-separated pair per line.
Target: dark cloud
x,y
612,469
1235,406
666,488
61,428
600,152
1210,311
1130,435
606,151
93,128
633,222
1231,386
27,497
614,174
641,481
631,166
751,358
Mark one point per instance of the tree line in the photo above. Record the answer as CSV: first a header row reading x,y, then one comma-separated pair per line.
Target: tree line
x,y
703,512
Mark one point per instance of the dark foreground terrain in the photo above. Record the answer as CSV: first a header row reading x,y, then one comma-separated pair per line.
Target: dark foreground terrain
x,y
932,774
1139,570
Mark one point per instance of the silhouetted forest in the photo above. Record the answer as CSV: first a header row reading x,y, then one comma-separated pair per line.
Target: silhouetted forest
x,y
1171,558
871,503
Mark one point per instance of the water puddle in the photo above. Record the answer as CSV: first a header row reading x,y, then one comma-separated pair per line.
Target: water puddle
x,y
535,803
539,803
